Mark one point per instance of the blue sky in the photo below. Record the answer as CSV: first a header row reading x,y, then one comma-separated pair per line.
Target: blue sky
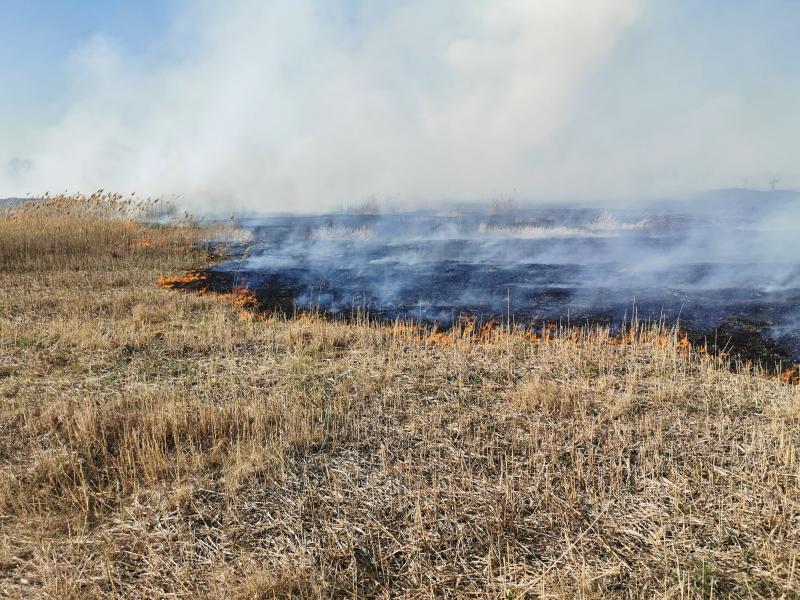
x,y
38,36
609,97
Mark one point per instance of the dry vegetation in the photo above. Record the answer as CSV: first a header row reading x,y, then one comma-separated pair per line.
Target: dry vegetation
x,y
69,231
158,444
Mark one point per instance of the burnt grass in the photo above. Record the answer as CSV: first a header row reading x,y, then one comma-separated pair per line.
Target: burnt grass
x,y
532,267
743,336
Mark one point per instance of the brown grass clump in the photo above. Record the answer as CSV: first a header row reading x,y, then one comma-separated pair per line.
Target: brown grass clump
x,y
57,231
159,445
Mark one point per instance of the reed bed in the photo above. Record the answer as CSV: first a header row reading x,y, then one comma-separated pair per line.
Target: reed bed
x,y
60,231
155,444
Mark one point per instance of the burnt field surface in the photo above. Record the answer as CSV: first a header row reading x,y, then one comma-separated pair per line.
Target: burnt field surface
x,y
724,267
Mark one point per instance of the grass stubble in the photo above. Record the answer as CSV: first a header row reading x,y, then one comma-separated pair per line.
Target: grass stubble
x,y
155,444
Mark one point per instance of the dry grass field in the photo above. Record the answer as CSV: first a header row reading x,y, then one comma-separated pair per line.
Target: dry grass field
x,y
156,444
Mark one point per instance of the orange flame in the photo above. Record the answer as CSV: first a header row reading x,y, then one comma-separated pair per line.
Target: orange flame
x,y
171,283
791,376
243,298
439,339
684,345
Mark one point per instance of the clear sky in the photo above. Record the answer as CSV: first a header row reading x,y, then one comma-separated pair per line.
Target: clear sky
x,y
290,100
38,37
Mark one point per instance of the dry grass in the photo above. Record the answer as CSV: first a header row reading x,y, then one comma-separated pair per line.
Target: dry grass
x,y
67,231
156,444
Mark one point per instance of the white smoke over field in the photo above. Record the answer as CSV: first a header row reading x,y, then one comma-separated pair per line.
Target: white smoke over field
x,y
311,104
307,103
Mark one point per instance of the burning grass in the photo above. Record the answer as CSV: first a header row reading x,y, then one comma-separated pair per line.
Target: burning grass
x,y
791,375
195,280
162,444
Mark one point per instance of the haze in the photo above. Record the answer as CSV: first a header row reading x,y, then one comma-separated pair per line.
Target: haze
x,y
311,104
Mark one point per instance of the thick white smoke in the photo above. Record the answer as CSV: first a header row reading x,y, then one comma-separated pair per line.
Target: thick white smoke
x,y
302,104
312,104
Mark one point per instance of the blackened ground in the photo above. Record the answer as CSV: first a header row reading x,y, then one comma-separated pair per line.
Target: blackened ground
x,y
571,266
743,336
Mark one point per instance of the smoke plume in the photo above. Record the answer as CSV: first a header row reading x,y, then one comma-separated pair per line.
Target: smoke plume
x,y
311,104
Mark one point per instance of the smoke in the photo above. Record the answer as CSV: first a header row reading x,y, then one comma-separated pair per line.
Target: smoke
x,y
306,104
310,104
718,264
